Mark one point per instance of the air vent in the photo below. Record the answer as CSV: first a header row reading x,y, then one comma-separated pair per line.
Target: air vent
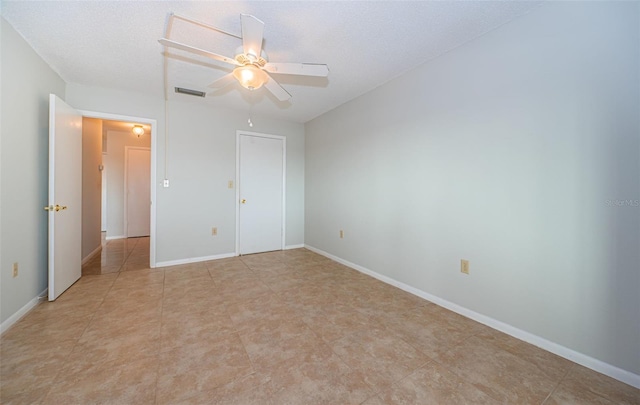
x,y
190,92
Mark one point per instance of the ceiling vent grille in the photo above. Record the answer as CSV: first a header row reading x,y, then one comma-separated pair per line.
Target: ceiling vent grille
x,y
190,92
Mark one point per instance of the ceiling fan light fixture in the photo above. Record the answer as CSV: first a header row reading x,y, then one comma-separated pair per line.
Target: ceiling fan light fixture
x,y
138,130
250,76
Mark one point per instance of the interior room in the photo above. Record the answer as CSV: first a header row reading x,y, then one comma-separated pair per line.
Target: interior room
x,y
439,204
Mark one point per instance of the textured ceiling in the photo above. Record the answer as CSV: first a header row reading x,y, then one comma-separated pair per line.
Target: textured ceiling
x,y
114,44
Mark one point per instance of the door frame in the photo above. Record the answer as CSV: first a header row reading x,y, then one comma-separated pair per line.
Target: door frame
x,y
103,196
154,148
240,133
126,184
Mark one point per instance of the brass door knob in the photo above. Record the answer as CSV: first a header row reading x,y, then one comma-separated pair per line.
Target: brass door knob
x,y
55,208
243,201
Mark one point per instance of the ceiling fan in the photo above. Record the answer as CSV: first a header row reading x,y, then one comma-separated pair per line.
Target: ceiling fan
x,y
252,68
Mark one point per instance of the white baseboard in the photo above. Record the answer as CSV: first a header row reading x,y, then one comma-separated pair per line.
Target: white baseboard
x,y
619,374
289,247
10,321
92,254
115,237
194,260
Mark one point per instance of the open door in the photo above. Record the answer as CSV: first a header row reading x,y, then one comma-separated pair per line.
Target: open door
x,y
65,196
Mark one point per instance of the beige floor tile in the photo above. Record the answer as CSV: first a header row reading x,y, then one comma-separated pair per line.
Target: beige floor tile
x,y
382,357
271,344
430,328
136,265
287,327
184,371
35,394
564,395
581,382
336,321
499,373
253,312
191,331
320,378
237,291
251,389
434,384
30,370
146,276
125,383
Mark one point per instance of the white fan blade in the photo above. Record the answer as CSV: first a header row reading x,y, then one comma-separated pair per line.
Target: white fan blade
x,y
252,32
277,90
198,51
224,81
301,69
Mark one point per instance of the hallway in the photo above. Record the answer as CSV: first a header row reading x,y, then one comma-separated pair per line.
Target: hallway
x,y
119,255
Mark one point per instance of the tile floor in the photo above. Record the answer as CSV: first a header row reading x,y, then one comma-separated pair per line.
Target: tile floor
x,y
277,328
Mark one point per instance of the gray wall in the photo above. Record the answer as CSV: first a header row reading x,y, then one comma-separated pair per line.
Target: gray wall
x,y
26,82
519,152
91,185
201,160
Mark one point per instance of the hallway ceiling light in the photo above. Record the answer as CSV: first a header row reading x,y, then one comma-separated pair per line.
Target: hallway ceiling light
x,y
138,130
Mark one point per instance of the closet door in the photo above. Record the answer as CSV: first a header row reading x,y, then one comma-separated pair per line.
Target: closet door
x,y
261,193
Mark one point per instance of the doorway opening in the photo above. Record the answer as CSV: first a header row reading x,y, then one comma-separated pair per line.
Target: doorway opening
x,y
127,196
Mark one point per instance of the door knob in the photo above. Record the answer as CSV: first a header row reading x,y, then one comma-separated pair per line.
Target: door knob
x,y
243,201
55,208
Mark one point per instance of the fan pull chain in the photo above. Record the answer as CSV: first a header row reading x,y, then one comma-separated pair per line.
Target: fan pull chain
x,y
250,108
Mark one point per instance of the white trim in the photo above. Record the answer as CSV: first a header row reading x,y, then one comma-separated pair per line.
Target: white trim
x,y
104,193
154,150
51,199
19,314
195,260
289,247
625,376
91,255
240,133
115,237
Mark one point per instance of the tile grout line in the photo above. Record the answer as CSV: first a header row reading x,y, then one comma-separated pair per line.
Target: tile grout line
x,y
558,384
77,342
155,391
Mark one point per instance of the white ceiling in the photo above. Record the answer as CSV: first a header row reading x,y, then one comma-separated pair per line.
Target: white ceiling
x,y
114,44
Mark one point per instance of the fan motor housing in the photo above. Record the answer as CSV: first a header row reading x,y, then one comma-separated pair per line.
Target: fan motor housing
x,y
246,60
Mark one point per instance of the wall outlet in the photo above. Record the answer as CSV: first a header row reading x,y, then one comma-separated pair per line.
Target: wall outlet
x,y
214,231
341,234
15,269
464,266
165,183
230,184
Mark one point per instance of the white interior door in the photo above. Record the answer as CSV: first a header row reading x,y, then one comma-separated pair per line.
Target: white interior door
x,y
65,196
261,192
138,191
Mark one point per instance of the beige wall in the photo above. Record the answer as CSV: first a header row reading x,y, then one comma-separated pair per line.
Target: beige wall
x,y
91,185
